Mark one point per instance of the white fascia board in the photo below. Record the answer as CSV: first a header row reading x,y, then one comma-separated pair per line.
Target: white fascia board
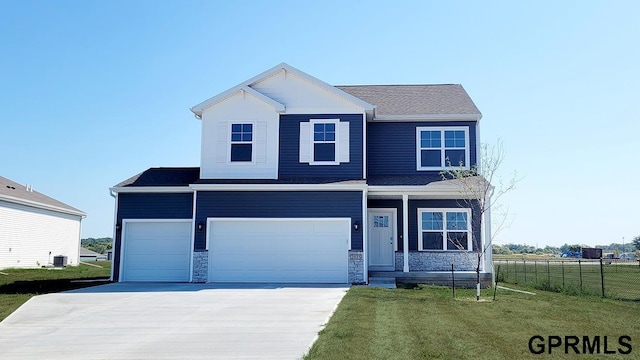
x,y
441,192
39,205
278,187
198,109
429,117
151,189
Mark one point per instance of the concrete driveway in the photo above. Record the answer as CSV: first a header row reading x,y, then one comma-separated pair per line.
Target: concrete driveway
x,y
170,321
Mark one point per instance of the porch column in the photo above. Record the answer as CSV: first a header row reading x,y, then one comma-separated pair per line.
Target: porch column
x,y
487,240
405,232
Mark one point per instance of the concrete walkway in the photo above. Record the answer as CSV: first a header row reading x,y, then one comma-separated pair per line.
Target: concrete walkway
x,y
170,321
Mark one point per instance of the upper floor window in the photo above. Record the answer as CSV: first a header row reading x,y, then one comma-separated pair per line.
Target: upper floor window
x,y
444,229
241,142
442,147
324,142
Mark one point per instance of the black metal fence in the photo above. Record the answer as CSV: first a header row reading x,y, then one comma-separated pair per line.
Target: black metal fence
x,y
611,278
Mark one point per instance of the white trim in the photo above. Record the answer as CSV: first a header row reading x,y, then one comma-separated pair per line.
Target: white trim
x,y
199,108
151,189
123,236
278,187
40,205
444,230
364,145
335,142
429,117
405,232
442,148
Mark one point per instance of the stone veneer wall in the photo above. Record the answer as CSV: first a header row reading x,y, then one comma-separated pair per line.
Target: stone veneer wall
x,y
200,266
356,267
436,261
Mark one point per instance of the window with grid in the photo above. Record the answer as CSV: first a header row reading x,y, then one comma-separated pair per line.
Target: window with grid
x,y
441,148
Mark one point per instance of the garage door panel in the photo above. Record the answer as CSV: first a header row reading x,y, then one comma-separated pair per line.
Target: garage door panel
x,y
283,250
157,251
252,276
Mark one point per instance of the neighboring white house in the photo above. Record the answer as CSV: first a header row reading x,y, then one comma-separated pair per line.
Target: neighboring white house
x,y
35,228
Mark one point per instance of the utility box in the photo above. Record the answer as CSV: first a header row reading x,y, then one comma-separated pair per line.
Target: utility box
x,y
591,253
60,261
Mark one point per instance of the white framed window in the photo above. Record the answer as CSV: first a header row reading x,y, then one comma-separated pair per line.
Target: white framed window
x,y
440,148
444,229
241,143
324,142
324,149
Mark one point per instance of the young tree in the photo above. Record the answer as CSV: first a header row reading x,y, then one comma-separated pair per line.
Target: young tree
x,y
480,190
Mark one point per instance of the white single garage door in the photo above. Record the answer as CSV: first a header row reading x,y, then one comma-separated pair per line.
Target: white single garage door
x,y
156,251
279,250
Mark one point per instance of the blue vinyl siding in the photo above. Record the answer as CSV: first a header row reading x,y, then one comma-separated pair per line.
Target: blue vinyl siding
x,y
391,146
289,158
149,206
413,217
390,204
279,204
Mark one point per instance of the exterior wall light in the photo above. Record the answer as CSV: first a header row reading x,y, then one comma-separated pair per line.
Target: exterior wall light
x,y
356,226
200,226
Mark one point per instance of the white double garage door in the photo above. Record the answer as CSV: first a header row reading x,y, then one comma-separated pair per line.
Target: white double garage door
x,y
240,250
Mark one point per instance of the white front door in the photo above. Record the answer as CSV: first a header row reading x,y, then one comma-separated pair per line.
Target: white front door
x,y
381,238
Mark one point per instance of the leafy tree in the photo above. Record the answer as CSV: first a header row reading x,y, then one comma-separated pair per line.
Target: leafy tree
x,y
100,245
477,192
636,242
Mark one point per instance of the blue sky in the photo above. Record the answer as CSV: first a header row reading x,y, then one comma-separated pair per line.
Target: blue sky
x,y
93,92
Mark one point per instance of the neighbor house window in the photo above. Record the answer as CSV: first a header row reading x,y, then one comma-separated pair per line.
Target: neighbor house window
x,y
444,229
442,147
241,142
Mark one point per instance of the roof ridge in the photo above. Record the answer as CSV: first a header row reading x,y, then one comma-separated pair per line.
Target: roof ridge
x,y
363,85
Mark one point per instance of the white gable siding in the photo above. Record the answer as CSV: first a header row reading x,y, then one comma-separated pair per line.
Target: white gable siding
x,y
216,122
302,97
27,235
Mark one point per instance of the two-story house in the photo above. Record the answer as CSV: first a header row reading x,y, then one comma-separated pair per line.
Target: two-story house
x,y
302,181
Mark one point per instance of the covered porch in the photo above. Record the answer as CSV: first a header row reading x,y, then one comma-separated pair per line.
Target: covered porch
x,y
397,246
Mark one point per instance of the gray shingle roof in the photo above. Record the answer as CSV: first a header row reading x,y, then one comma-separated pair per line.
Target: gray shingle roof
x,y
415,100
287,181
162,176
13,192
398,180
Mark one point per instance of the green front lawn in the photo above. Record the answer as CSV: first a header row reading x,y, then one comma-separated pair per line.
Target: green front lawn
x,y
19,285
427,323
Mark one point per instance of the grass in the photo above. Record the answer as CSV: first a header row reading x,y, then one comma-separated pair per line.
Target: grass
x,y
621,280
427,323
19,285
